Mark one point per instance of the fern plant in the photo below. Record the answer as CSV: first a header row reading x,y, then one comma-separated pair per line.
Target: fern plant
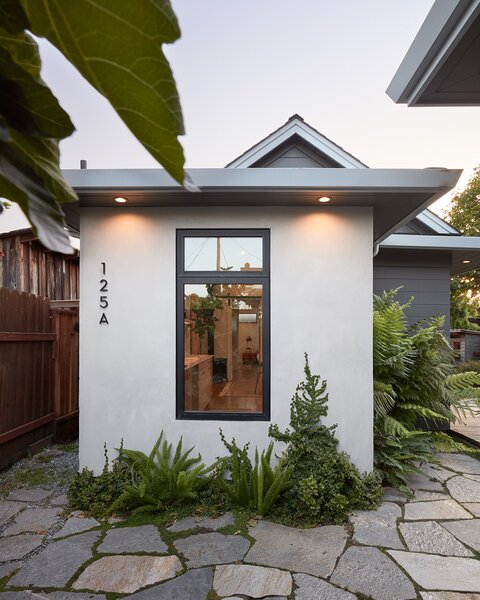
x,y
158,481
413,385
257,487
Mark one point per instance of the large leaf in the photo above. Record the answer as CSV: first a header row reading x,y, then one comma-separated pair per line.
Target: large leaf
x,y
26,103
31,121
19,183
117,47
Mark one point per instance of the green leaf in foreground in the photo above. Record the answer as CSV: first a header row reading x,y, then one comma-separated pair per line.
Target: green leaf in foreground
x,y
31,123
117,47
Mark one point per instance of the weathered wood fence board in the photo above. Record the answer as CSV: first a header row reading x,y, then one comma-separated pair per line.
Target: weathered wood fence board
x,y
27,266
38,371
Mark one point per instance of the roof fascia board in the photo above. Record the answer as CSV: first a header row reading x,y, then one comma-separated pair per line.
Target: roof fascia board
x,y
327,179
433,221
431,242
308,134
440,33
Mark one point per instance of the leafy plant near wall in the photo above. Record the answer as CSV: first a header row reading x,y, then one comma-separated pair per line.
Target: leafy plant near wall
x,y
413,384
158,480
103,40
204,308
324,482
257,486
96,494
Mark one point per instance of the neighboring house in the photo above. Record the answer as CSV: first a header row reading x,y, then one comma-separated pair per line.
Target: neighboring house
x,y
196,308
441,67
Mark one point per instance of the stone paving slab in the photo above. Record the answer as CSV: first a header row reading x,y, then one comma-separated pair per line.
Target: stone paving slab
x,y
33,520
126,574
448,596
435,471
311,588
434,572
16,547
467,532
473,477
217,522
392,495
9,510
183,525
312,551
203,522
370,572
423,496
123,540
252,581
28,595
212,549
8,568
473,507
463,489
432,511
29,495
460,463
419,481
77,523
61,500
71,596
192,585
377,527
430,537
57,563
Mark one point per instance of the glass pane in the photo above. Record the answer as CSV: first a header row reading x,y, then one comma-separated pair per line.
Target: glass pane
x,y
223,347
223,254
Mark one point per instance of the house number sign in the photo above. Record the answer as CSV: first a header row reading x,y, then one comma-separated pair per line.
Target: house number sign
x,y
103,296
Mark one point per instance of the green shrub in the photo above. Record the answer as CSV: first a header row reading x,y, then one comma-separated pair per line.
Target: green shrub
x,y
413,384
257,486
469,365
96,494
325,484
158,481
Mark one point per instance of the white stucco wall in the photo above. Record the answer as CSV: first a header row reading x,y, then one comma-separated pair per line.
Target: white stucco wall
x,y
321,303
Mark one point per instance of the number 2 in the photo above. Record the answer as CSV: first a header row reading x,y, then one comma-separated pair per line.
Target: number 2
x,y
104,283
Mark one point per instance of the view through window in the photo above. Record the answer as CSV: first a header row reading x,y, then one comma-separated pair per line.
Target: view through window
x,y
223,287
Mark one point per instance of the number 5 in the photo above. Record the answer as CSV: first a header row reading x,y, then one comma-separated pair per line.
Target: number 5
x,y
103,302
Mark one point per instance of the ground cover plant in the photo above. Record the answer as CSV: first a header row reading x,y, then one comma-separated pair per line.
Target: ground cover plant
x,y
324,482
414,387
96,494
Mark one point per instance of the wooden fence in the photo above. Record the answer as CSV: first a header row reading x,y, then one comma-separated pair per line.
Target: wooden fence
x,y
27,266
38,372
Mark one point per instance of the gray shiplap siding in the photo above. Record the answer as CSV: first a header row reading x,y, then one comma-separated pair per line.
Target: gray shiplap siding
x,y
423,275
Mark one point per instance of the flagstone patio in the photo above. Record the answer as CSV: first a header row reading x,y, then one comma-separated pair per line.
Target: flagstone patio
x,y
424,548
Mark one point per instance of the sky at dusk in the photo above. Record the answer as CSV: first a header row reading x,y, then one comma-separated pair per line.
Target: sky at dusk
x,y
243,68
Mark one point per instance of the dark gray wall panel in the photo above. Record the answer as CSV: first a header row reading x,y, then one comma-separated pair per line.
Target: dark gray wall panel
x,y
425,275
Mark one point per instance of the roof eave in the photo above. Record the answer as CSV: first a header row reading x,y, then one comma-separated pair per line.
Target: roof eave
x,y
438,36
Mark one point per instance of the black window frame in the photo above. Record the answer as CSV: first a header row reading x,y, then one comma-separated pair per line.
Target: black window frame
x,y
204,277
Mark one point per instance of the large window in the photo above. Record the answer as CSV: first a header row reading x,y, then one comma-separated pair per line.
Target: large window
x,y
223,324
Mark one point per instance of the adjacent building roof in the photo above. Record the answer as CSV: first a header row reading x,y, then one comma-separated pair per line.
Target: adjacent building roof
x,y
441,67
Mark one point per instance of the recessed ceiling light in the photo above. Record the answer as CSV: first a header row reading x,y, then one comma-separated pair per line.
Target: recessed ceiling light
x,y
465,262
120,200
324,199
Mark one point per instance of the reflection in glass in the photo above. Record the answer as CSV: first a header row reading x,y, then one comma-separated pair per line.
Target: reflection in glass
x,y
223,347
223,253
